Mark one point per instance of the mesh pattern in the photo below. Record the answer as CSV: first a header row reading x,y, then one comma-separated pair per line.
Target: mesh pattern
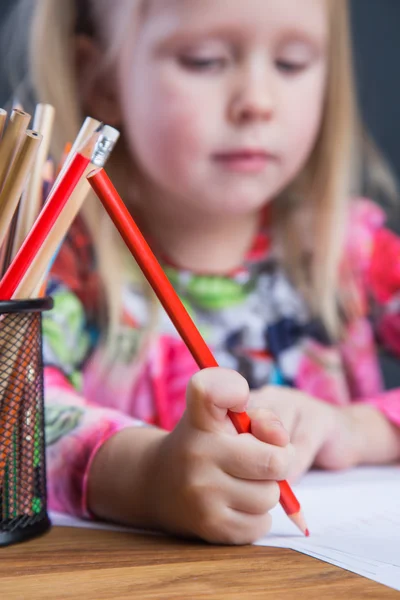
x,y
22,447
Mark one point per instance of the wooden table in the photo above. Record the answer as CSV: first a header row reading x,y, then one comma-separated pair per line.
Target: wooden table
x,y
95,565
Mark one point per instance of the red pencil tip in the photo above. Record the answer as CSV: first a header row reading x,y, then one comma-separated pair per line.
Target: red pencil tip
x,y
307,533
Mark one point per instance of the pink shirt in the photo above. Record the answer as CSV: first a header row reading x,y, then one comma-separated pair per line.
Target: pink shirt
x,y
254,321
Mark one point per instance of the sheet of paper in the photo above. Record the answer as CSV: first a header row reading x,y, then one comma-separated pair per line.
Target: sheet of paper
x,y
62,520
354,519
379,572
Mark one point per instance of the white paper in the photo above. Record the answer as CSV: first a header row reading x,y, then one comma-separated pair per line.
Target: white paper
x,y
353,517
354,520
61,520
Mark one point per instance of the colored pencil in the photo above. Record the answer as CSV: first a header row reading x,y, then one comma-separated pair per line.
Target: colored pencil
x,y
3,119
31,201
58,198
32,282
171,302
16,181
11,390
11,142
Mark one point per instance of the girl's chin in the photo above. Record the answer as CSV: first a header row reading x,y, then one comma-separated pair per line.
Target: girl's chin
x,y
229,206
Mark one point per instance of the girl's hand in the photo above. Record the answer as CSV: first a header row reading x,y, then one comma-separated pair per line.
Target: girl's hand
x,y
205,480
328,436
210,482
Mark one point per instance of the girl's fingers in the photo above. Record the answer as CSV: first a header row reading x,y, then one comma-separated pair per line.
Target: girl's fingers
x,y
211,393
267,427
229,526
277,401
246,457
252,497
243,528
306,448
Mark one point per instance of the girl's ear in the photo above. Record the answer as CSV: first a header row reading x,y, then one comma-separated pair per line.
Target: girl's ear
x,y
96,87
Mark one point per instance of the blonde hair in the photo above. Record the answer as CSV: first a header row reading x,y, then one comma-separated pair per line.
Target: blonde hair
x,y
55,82
321,192
315,206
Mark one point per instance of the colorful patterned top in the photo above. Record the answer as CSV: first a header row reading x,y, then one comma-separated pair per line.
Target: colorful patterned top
x,y
254,321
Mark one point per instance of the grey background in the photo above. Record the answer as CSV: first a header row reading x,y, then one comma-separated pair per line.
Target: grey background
x,y
377,56
376,29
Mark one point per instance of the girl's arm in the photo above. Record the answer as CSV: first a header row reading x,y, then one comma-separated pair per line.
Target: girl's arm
x,y
376,430
203,479
377,415
75,428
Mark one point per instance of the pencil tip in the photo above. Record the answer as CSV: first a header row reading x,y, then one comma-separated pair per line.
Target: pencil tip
x,y
299,521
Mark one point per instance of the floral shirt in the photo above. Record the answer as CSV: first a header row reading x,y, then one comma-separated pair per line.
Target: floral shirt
x,y
254,321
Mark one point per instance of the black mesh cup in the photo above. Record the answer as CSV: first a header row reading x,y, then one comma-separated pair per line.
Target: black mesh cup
x,y
23,501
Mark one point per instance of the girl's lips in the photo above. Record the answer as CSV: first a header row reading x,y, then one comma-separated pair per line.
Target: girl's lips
x,y
244,161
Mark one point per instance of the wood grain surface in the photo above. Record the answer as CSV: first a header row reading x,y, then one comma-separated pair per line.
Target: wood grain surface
x,y
97,565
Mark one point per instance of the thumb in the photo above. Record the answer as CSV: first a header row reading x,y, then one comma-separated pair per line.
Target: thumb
x,y
211,393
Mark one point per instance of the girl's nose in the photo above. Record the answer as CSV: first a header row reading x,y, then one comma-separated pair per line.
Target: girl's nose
x,y
253,98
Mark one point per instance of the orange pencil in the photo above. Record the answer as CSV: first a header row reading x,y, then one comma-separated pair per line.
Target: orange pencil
x,y
153,272
11,392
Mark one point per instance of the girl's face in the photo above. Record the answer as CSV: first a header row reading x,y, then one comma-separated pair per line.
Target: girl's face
x,y
222,99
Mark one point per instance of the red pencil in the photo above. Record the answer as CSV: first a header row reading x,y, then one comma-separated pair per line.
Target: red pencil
x,y
153,272
95,150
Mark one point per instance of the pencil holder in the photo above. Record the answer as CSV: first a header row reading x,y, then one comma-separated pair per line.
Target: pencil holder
x,y
23,501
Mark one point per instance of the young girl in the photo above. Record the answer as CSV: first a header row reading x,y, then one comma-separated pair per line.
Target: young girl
x,y
239,160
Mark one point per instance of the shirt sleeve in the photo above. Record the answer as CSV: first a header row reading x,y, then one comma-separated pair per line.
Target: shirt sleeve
x,y
383,281
378,265
75,427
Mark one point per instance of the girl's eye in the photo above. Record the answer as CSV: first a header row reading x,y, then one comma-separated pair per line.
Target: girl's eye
x,y
194,63
291,67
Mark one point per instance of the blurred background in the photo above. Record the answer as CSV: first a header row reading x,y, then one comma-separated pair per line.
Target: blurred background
x,y
377,56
